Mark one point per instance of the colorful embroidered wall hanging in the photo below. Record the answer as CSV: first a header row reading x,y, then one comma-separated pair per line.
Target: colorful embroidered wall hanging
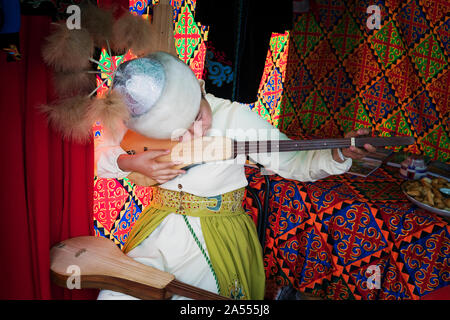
x,y
340,73
334,237
328,75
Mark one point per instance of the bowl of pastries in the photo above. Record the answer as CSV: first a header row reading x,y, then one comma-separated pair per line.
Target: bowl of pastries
x,y
427,193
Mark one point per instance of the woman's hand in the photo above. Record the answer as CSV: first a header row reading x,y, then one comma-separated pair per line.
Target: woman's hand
x,y
354,152
147,164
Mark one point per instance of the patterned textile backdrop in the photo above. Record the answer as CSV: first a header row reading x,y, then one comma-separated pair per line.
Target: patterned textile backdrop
x,y
328,75
324,236
334,72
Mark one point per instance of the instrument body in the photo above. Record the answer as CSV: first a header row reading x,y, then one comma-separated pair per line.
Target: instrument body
x,y
207,149
196,151
101,264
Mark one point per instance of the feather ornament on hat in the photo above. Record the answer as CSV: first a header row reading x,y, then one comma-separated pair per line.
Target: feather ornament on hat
x,y
154,95
111,110
68,118
131,32
68,50
98,22
74,83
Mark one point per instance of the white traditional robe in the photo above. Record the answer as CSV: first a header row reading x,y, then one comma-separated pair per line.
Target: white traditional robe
x,y
171,247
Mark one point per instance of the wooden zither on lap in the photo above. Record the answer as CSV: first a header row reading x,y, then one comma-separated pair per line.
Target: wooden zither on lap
x,y
99,263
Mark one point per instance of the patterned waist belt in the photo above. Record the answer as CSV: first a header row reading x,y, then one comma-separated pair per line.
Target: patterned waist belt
x,y
192,205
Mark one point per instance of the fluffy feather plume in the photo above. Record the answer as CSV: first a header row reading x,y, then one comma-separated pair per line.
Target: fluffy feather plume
x,y
111,111
98,22
132,32
74,83
68,117
68,50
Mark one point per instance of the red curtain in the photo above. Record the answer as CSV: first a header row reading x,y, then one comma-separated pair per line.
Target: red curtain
x,y
47,185
120,5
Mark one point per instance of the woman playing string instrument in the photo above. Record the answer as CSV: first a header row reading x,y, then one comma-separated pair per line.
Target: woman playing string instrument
x,y
195,226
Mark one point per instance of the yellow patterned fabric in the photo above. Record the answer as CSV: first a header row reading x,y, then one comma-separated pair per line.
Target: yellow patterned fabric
x,y
228,203
235,254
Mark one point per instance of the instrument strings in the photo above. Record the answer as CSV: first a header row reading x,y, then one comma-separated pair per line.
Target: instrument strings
x,y
240,147
287,145
193,290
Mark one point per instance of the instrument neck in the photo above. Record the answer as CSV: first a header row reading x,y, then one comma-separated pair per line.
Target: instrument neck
x,y
247,147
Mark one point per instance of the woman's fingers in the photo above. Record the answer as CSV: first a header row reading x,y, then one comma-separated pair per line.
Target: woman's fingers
x,y
370,148
157,166
357,150
358,153
168,172
359,132
147,164
152,154
354,152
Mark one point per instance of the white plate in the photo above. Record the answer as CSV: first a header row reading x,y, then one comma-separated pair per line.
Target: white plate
x,y
441,212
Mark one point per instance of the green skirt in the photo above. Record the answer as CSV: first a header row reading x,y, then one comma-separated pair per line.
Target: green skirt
x,y
235,254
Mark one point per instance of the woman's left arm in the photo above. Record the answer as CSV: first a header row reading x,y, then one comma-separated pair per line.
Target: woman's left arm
x,y
299,165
